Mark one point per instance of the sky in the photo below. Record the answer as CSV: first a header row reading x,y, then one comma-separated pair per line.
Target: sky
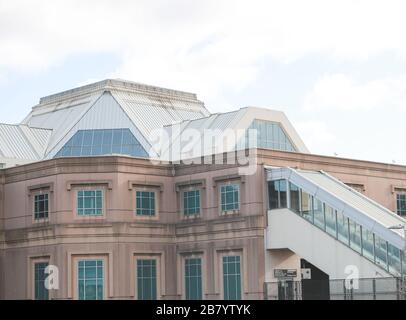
x,y
336,68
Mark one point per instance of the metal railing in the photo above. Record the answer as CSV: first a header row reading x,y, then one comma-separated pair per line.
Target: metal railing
x,y
341,289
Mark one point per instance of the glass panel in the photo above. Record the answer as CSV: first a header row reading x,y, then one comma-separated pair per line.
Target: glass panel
x,y
230,197
307,206
145,203
41,206
193,279
394,259
401,204
342,228
90,202
232,278
294,197
381,252
270,135
40,291
368,244
102,142
273,194
191,202
146,279
318,213
355,236
91,279
283,201
330,215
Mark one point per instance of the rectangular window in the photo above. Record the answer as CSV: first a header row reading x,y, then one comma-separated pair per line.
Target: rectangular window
x,y
381,251
41,206
355,235
319,220
277,191
394,259
342,228
90,202
40,291
145,203
90,279
232,277
193,279
294,197
146,279
307,205
401,204
331,221
368,244
230,197
191,202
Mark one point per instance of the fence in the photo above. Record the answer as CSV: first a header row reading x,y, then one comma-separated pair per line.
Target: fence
x,y
361,289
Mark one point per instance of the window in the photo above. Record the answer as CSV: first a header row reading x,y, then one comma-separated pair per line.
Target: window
x,y
232,277
357,187
102,142
2,165
355,235
41,206
90,202
381,251
193,279
342,228
368,244
145,203
146,279
401,204
294,197
40,291
191,202
270,135
307,205
319,220
230,197
277,194
331,222
91,279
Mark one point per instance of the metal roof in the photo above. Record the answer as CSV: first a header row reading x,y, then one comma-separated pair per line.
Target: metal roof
x,y
23,142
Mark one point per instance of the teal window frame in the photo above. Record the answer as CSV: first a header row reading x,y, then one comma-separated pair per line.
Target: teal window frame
x,y
193,279
90,202
40,291
90,279
230,197
146,279
41,206
232,285
401,204
145,203
191,202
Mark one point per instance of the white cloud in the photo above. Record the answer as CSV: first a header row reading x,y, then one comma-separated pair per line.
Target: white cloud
x,y
205,46
342,92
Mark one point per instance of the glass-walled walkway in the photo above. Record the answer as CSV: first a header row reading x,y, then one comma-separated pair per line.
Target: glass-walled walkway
x,y
285,194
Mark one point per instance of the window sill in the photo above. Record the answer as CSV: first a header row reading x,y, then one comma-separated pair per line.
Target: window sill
x,y
230,212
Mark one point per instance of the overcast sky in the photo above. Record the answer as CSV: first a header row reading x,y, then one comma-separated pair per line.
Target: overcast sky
x,y
336,68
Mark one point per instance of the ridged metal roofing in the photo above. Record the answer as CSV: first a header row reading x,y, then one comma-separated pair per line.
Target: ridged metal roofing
x,y
23,142
146,107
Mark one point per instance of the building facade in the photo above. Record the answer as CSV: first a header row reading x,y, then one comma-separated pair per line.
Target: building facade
x,y
87,214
